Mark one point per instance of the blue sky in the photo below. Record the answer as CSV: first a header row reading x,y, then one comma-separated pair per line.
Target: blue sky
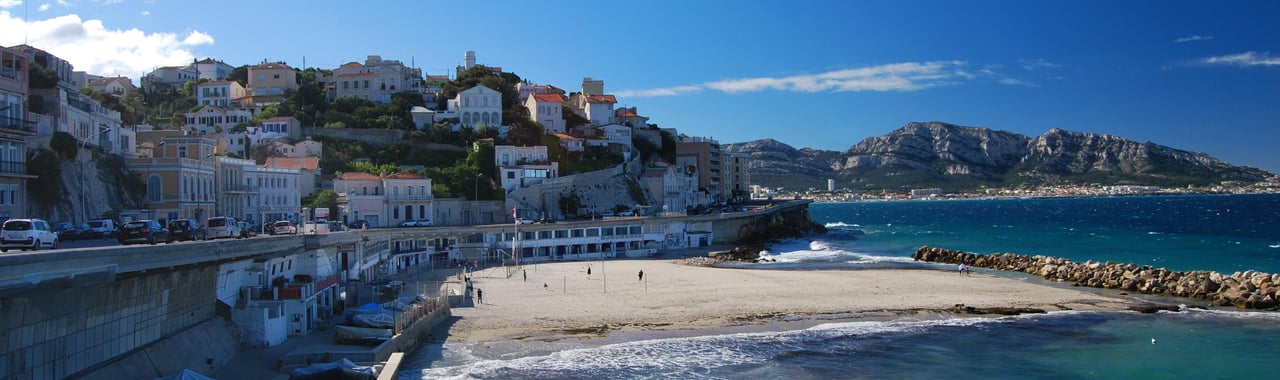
x,y
1201,76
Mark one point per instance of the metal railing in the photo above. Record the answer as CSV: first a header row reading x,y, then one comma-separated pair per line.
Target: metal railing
x,y
13,167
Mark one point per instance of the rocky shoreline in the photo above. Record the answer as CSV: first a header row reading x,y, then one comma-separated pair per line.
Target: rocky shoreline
x,y
1246,290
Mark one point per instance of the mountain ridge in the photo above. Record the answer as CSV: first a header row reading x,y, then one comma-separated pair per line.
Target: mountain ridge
x,y
955,157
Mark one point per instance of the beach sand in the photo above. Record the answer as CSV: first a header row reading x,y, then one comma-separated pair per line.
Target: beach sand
x,y
674,296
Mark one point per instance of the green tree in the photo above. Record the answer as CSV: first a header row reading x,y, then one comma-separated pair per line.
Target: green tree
x,y
64,145
326,198
40,77
240,75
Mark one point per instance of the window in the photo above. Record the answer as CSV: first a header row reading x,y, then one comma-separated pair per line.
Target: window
x,y
511,174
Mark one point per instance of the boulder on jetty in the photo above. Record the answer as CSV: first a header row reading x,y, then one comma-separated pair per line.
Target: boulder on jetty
x,y
1247,290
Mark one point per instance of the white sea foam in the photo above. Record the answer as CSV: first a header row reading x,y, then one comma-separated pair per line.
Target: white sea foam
x,y
1274,246
797,250
841,224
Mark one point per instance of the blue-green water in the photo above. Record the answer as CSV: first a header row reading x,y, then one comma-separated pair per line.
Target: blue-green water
x,y
1223,233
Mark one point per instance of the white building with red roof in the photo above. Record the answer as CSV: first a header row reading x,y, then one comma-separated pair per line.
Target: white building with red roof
x,y
376,80
547,109
220,93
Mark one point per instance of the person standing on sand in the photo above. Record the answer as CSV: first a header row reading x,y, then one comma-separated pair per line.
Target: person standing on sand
x,y
588,271
960,269
642,275
479,295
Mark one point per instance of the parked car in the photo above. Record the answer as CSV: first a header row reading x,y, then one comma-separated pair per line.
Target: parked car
x,y
246,229
284,227
143,231
424,223
222,227
25,234
185,230
409,223
102,228
525,221
359,224
66,231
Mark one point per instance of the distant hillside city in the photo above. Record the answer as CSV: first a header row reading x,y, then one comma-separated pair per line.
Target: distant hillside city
x,y
380,143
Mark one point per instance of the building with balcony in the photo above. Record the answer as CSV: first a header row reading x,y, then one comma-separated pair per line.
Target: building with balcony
x,y
287,127
268,82
703,155
675,187
528,89
234,188
383,200
178,173
736,177
211,119
521,166
14,132
273,299
221,93
308,169
279,192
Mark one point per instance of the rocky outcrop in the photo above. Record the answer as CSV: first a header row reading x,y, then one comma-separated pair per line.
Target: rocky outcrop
x,y
1247,290
951,149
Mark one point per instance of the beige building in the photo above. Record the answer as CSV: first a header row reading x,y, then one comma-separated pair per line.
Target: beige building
x,y
521,166
376,80
178,174
118,86
268,82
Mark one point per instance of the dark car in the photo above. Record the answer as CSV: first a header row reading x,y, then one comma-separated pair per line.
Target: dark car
x,y
142,231
66,231
185,230
359,224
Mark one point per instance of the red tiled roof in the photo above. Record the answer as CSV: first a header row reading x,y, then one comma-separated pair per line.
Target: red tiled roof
x,y
301,163
602,99
358,176
351,64
405,175
629,114
271,66
564,136
548,98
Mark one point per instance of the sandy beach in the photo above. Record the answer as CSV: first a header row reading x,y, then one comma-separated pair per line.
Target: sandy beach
x,y
560,300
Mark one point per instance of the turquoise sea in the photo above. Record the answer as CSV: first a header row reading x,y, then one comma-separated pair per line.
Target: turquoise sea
x,y
1222,233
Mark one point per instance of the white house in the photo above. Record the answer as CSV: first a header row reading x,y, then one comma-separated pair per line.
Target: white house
x,y
383,200
599,108
528,89
215,119
287,126
570,143
169,77
212,69
520,166
477,105
617,134
220,93
546,109
279,194
118,86
423,117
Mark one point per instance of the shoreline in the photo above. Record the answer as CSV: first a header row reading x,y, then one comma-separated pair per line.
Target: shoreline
x,y
677,297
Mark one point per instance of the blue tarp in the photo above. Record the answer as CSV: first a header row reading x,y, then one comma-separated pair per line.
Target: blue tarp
x,y
368,308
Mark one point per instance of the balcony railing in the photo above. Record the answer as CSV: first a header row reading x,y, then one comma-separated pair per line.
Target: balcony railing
x,y
237,188
302,287
410,197
15,123
13,167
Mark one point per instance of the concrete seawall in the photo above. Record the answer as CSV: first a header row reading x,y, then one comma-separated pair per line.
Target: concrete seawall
x,y
1246,290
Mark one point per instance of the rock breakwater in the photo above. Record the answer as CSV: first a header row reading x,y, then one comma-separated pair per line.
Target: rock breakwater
x,y
1247,290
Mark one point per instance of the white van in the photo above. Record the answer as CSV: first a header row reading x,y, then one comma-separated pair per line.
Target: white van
x,y
103,228
222,227
25,234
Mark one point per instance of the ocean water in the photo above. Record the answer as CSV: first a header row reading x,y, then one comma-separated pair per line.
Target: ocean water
x,y
1223,233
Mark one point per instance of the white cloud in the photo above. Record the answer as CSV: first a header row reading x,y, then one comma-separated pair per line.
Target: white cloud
x,y
908,76
43,7
1016,82
146,13
1193,37
1037,64
1245,59
92,47
9,3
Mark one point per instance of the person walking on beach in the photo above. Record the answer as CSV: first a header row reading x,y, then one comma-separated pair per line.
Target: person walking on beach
x,y
642,275
479,295
526,275
960,270
588,271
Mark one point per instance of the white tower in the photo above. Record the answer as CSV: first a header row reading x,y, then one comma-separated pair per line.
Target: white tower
x,y
831,185
470,57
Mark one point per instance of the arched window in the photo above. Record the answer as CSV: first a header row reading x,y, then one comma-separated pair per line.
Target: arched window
x,y
466,118
485,117
155,188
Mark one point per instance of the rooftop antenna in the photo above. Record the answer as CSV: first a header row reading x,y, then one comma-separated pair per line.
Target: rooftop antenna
x,y
26,8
